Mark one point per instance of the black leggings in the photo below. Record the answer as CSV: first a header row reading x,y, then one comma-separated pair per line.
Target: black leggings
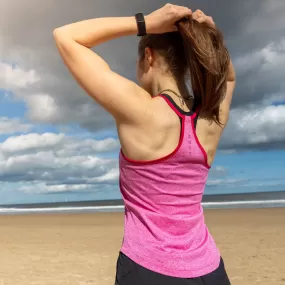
x,y
131,273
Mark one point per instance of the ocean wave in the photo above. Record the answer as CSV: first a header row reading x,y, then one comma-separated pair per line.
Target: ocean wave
x,y
120,208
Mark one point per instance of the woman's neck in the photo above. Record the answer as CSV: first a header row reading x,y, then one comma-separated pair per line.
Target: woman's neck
x,y
168,82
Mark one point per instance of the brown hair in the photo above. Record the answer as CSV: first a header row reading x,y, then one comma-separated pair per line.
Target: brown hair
x,y
195,52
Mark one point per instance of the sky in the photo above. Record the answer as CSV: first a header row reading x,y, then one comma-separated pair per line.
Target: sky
x,y
56,144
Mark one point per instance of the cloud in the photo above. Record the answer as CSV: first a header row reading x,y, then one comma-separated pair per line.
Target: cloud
x,y
31,141
60,143
260,74
15,77
255,127
49,189
111,176
225,182
55,98
42,108
57,162
218,171
13,125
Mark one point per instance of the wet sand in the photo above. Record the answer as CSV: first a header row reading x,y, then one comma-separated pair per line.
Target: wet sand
x,y
79,249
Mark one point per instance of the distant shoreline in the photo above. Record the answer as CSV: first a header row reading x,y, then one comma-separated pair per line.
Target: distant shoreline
x,y
216,201
258,196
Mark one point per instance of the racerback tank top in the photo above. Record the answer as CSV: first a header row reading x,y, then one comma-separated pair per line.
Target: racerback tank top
x,y
164,229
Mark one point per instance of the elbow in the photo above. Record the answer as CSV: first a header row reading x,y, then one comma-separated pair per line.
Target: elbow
x,y
58,34
63,41
61,35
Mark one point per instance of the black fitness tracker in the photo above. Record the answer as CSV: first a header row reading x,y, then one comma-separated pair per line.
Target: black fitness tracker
x,y
141,24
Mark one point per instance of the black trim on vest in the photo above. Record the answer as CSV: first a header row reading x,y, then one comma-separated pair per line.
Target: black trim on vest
x,y
182,112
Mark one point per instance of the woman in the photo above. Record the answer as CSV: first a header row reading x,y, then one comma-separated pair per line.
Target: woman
x,y
168,136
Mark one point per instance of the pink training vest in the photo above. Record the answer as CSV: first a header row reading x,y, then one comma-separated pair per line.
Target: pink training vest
x,y
164,223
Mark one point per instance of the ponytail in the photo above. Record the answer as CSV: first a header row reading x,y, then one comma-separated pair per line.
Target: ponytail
x,y
207,61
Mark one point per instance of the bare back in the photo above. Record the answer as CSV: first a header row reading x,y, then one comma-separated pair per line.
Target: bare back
x,y
159,134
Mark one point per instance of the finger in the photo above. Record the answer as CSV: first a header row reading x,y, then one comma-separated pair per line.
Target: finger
x,y
211,19
206,19
195,16
174,28
182,12
199,13
201,19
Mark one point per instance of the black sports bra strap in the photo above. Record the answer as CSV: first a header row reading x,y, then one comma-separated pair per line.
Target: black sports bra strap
x,y
173,103
195,120
182,112
196,109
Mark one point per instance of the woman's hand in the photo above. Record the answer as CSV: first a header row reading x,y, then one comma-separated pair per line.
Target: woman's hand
x,y
163,20
202,18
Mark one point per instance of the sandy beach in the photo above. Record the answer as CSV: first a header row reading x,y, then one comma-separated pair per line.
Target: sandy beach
x,y
79,249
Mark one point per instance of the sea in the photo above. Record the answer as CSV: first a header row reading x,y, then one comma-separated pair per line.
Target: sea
x,y
218,201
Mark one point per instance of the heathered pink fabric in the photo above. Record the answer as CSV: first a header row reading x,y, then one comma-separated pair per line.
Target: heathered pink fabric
x,y
164,223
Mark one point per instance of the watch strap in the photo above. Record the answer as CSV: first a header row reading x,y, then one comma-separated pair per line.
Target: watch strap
x,y
141,24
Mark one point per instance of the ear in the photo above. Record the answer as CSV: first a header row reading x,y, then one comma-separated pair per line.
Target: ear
x,y
149,56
